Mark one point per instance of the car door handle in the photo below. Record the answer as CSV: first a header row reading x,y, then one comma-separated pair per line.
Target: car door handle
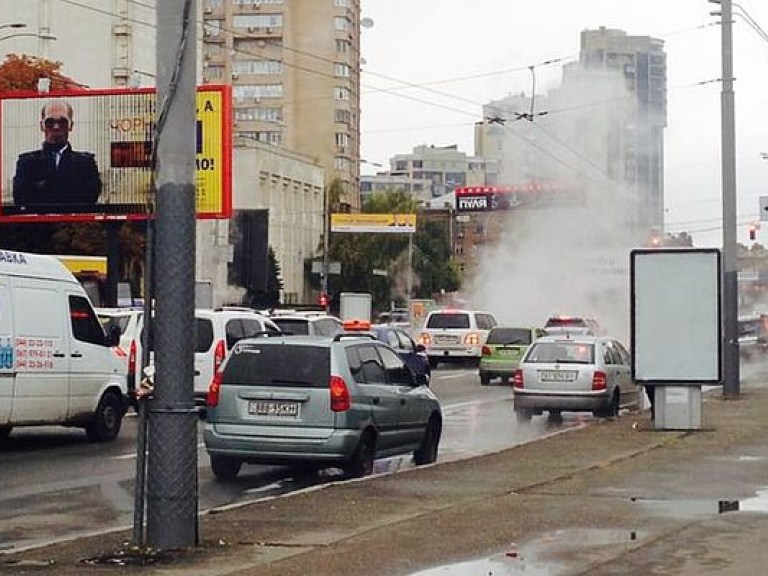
x,y
375,401
76,355
58,354
402,401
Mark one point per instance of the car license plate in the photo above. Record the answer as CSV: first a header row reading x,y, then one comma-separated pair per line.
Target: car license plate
x,y
557,375
274,408
505,352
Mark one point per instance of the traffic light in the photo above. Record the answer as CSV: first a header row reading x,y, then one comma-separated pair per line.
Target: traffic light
x,y
752,228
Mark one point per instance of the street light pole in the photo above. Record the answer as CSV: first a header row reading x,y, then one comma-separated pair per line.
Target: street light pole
x,y
731,376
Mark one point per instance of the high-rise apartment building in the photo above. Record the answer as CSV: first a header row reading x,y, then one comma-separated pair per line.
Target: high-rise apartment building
x,y
642,63
294,66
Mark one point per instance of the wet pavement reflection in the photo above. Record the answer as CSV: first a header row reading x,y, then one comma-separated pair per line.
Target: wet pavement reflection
x,y
558,552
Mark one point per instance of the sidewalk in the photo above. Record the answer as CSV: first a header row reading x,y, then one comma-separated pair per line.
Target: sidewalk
x,y
613,498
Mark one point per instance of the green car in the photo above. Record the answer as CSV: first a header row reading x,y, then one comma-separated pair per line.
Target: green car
x,y
503,350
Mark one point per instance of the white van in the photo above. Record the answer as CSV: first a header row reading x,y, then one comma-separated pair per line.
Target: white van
x,y
57,366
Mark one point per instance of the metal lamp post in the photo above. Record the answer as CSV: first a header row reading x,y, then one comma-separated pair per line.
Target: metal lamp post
x,y
731,368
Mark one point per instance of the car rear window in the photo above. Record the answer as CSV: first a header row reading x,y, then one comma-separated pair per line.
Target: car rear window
x,y
292,325
279,365
561,352
566,323
203,334
518,336
450,320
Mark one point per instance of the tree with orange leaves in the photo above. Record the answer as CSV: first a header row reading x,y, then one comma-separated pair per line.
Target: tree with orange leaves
x,y
22,72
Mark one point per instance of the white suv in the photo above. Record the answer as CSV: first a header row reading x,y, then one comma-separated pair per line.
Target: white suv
x,y
450,334
216,331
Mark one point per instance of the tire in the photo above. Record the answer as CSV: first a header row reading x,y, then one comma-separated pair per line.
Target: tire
x,y
362,461
523,414
107,419
505,380
427,452
5,431
225,467
485,379
555,417
611,410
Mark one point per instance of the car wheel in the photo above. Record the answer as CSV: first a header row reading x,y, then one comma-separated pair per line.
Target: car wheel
x,y
433,362
611,410
427,452
555,417
362,461
106,422
5,431
523,414
505,380
485,379
225,467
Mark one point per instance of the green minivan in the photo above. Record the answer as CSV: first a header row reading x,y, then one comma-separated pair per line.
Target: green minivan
x,y
503,350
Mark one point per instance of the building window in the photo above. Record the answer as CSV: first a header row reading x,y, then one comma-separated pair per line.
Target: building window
x,y
258,20
343,164
213,4
257,67
214,72
341,93
252,47
342,139
260,113
342,46
341,23
343,116
341,3
268,137
250,91
341,70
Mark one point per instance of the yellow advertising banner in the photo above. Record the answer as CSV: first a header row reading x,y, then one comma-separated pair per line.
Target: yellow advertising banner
x,y
375,223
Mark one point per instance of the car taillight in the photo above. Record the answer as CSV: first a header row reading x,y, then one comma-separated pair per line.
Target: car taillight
x,y
424,338
132,364
218,355
599,380
340,400
212,399
472,339
517,379
487,351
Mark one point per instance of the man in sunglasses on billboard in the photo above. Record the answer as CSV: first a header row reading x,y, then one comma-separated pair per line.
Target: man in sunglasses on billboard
x,y
56,178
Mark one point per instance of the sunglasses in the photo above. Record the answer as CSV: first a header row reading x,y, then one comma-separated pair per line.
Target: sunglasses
x,y
51,122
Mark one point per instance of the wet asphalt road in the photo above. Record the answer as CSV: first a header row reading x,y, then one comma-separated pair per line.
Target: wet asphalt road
x,y
46,493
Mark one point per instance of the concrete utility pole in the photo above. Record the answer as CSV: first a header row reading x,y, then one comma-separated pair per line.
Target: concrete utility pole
x,y
172,467
731,376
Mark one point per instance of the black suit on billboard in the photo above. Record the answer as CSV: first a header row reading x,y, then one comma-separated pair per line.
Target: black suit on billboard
x,y
39,185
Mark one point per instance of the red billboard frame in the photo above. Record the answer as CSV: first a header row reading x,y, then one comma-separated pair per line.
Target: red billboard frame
x,y
115,128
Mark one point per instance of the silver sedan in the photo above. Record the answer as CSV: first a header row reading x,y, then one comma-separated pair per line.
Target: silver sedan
x,y
577,373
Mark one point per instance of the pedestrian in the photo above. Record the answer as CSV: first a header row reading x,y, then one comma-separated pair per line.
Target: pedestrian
x,y
56,178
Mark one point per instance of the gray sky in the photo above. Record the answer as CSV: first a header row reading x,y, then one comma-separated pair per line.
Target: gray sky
x,y
432,64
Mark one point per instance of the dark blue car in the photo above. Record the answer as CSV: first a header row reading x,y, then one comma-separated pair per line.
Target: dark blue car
x,y
413,354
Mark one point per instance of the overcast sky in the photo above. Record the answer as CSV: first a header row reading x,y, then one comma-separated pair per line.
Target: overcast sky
x,y
430,65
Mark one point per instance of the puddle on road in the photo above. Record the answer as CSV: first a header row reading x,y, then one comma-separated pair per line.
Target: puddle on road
x,y
693,508
552,554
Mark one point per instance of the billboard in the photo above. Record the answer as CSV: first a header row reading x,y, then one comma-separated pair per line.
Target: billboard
x,y
87,154
530,195
676,311
377,223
